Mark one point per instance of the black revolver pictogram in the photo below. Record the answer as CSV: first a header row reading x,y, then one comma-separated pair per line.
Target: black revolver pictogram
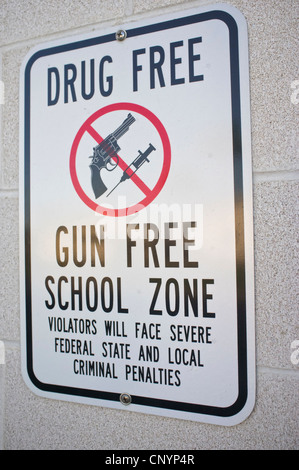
x,y
105,154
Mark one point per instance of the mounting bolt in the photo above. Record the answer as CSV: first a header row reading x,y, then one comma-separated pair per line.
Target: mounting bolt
x,y
125,399
120,35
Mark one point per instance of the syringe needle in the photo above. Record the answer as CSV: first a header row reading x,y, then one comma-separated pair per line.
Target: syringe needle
x,y
113,188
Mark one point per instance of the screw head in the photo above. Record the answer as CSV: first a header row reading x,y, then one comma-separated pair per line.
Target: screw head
x,y
125,399
120,35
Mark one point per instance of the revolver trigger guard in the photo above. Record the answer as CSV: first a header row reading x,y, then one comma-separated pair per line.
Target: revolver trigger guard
x,y
112,163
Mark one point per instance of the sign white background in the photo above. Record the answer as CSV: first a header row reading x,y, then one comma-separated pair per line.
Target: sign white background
x,y
197,117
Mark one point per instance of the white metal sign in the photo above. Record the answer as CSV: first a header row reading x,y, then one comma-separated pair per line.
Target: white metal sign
x,y
136,218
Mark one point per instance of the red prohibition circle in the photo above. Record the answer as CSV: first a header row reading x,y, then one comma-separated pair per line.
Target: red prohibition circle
x,y
166,160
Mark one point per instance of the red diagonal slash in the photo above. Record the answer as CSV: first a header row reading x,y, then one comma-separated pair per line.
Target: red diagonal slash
x,y
122,164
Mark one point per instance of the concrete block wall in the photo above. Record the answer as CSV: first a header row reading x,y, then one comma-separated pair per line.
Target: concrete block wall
x,y
30,422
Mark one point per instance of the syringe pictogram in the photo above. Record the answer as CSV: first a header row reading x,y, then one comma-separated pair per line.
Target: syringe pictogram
x,y
137,163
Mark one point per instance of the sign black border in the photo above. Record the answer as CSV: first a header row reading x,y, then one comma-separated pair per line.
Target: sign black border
x,y
241,400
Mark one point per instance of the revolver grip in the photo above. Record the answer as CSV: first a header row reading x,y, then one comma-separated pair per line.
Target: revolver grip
x,y
96,181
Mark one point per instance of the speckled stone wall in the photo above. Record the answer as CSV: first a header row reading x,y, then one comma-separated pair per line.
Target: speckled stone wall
x,y
31,422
